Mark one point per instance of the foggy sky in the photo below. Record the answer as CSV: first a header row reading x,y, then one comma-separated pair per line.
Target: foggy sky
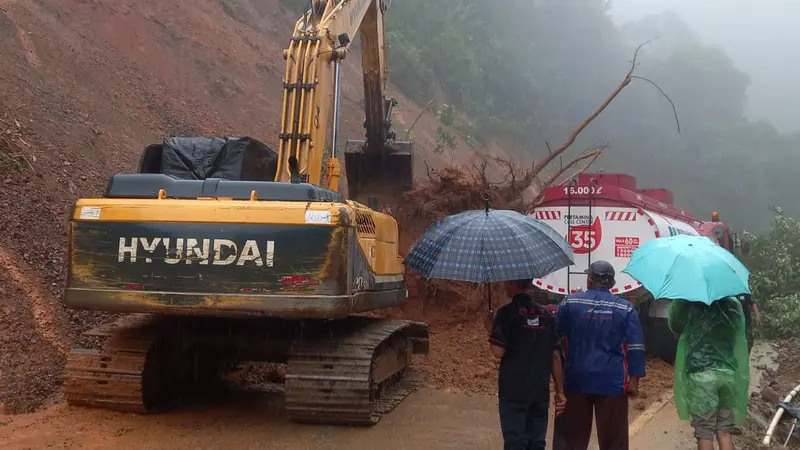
x,y
761,36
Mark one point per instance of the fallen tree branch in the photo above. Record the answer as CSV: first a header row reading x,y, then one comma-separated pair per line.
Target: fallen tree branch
x,y
591,155
538,167
419,116
674,110
585,166
25,158
11,145
454,189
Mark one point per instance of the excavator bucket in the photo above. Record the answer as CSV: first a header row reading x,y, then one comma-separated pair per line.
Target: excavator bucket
x,y
383,175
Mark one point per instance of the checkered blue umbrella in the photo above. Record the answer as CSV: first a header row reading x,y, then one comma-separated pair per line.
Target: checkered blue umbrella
x,y
489,246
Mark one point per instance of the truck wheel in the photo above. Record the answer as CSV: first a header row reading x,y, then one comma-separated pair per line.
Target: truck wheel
x,y
658,338
662,343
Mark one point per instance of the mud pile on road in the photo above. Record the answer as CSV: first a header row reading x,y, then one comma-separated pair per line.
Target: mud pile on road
x,y
449,191
459,358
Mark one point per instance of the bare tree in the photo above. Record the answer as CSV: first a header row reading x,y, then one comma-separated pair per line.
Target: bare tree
x,y
541,183
503,183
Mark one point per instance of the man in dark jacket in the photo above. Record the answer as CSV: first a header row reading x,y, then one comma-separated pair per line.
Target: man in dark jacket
x,y
605,357
524,338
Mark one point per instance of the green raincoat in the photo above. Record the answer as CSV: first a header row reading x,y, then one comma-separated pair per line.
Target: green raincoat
x,y
712,369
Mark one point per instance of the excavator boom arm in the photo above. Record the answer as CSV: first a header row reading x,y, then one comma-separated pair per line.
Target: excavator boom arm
x,y
321,40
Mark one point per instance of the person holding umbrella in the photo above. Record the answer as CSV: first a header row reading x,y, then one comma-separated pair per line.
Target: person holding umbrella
x,y
494,246
712,372
523,337
712,352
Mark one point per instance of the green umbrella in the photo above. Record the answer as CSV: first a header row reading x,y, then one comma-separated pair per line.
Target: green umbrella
x,y
686,267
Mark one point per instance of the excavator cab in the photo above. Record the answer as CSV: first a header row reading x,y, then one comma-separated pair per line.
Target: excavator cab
x,y
380,169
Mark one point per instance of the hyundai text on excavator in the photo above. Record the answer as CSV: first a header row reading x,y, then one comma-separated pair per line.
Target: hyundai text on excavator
x,y
222,250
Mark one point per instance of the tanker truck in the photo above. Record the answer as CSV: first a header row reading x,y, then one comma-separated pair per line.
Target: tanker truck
x,y
605,216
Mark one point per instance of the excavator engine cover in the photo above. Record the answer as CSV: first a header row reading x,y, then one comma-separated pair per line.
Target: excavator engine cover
x,y
384,175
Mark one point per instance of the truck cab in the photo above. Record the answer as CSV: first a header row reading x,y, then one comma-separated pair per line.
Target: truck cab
x,y
723,236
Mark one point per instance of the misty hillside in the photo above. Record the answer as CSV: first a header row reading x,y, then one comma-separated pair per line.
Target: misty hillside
x,y
759,35
530,71
96,81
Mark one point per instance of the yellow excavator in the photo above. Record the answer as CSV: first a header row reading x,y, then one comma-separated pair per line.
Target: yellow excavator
x,y
223,250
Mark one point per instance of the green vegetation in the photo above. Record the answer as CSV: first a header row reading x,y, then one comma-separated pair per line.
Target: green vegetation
x,y
775,280
529,71
446,116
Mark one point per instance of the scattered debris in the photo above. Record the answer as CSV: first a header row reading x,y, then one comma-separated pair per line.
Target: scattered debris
x,y
774,386
12,147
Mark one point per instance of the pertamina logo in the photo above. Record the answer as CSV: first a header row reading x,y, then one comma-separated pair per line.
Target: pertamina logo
x,y
675,231
586,238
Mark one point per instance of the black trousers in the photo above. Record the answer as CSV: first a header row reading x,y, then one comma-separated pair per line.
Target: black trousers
x,y
573,428
524,425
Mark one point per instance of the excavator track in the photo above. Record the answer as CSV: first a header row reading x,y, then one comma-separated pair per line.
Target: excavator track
x,y
341,372
356,374
113,375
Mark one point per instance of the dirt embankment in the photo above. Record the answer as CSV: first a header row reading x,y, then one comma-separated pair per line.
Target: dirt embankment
x,y
776,382
85,86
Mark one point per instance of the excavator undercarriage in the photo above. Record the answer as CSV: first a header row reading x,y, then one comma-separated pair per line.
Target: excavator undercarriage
x,y
345,372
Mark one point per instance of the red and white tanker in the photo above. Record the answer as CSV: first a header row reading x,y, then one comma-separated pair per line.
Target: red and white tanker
x,y
606,217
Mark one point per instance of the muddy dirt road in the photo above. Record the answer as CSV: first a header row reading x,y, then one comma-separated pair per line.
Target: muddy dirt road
x,y
663,430
428,419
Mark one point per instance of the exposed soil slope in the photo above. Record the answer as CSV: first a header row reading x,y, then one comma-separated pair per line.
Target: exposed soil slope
x,y
84,86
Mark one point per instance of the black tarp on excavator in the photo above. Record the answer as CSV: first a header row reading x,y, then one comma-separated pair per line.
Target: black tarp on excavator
x,y
199,158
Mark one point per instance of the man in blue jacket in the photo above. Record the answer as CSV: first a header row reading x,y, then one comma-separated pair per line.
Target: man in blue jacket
x,y
605,357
